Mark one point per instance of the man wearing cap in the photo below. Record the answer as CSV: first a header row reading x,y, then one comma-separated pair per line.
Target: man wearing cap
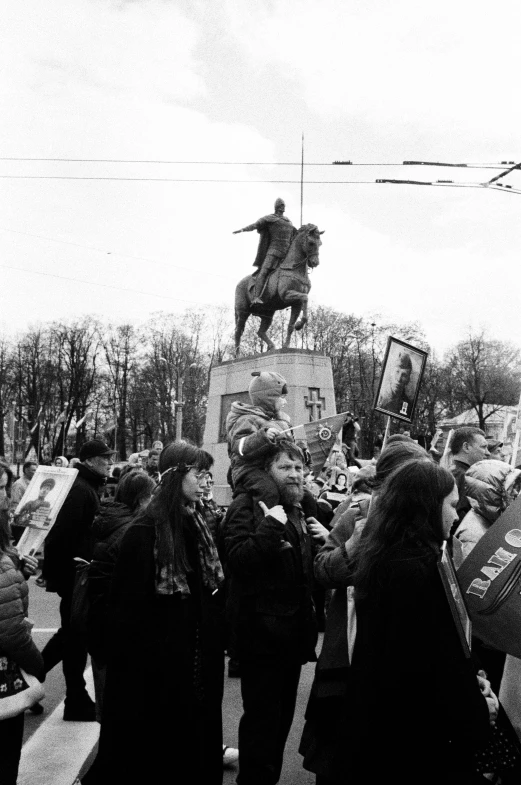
x,y
276,233
395,398
495,449
71,536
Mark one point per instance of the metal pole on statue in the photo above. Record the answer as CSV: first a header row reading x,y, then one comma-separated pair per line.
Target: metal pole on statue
x,y
302,181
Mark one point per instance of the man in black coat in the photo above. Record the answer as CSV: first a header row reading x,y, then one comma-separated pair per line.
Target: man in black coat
x,y
71,536
269,556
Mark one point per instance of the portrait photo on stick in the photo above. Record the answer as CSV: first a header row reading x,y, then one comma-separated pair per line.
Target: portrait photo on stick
x,y
400,381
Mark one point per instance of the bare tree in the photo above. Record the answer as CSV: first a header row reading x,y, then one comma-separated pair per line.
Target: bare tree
x,y
483,374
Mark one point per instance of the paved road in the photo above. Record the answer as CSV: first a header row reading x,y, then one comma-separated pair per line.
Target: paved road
x,y
43,610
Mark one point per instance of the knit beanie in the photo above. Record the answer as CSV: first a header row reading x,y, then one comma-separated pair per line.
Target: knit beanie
x,y
265,387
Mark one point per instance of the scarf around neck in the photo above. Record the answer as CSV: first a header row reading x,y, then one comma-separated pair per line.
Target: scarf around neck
x,y
168,582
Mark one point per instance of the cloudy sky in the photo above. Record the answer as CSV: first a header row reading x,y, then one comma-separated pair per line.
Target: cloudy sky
x,y
201,86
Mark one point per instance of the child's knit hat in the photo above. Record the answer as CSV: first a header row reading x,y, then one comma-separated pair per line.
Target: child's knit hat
x,y
265,387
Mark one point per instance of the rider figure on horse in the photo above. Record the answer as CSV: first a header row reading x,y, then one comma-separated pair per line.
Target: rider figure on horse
x,y
276,233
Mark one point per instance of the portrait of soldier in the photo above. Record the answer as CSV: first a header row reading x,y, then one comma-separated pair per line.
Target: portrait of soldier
x,y
36,512
395,396
276,233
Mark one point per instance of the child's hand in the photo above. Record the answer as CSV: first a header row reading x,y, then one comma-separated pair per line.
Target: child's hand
x,y
272,434
276,512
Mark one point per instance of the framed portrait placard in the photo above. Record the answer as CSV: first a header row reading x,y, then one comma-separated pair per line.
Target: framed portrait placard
x,y
38,508
400,381
455,599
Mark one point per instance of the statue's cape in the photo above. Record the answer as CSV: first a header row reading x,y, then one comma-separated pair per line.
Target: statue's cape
x,y
264,241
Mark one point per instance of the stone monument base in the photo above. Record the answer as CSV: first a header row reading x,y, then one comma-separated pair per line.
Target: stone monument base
x,y
310,396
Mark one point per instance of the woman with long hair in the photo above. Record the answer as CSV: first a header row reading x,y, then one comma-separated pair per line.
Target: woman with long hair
x,y
165,653
17,649
326,729
416,710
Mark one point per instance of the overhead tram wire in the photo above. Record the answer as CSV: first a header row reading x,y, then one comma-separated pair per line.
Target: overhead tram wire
x,y
379,181
470,165
115,253
103,285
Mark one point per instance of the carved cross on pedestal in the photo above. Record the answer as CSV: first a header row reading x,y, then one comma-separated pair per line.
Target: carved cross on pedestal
x,y
314,403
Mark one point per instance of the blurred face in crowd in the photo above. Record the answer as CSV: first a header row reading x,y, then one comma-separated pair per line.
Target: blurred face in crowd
x,y
29,472
153,461
512,492
101,464
4,501
288,474
449,515
315,490
208,486
280,403
194,483
477,449
497,453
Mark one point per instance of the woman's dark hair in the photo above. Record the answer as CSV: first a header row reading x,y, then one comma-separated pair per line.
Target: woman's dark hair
x,y
6,469
408,510
394,455
342,474
133,488
167,505
130,467
5,529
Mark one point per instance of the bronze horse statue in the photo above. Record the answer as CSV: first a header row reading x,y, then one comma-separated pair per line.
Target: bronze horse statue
x,y
286,287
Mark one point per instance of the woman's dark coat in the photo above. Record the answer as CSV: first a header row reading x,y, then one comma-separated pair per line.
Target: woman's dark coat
x,y
108,531
162,703
411,710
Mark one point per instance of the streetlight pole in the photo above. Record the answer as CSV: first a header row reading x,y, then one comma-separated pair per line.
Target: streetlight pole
x,y
179,409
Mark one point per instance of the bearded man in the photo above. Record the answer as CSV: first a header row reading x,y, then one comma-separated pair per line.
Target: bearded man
x,y
269,559
276,233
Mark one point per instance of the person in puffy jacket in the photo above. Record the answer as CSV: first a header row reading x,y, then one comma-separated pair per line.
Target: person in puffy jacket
x,y
16,643
490,486
252,430
133,493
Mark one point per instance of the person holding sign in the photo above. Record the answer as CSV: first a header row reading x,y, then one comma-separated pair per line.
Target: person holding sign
x,y
416,711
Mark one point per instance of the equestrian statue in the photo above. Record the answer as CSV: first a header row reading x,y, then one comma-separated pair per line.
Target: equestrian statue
x,y
281,280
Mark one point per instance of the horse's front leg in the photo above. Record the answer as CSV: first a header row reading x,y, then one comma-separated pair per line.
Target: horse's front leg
x,y
241,317
262,331
295,310
304,318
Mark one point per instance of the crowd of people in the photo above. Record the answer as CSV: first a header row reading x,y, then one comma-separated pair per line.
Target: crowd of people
x,y
174,582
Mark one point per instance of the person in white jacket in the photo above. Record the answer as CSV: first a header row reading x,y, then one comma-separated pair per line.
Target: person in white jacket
x,y
490,487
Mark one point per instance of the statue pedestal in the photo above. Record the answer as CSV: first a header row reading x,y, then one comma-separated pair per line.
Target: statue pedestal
x,y
310,396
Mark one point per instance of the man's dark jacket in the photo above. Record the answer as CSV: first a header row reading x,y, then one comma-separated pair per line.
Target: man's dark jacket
x,y
71,535
269,604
